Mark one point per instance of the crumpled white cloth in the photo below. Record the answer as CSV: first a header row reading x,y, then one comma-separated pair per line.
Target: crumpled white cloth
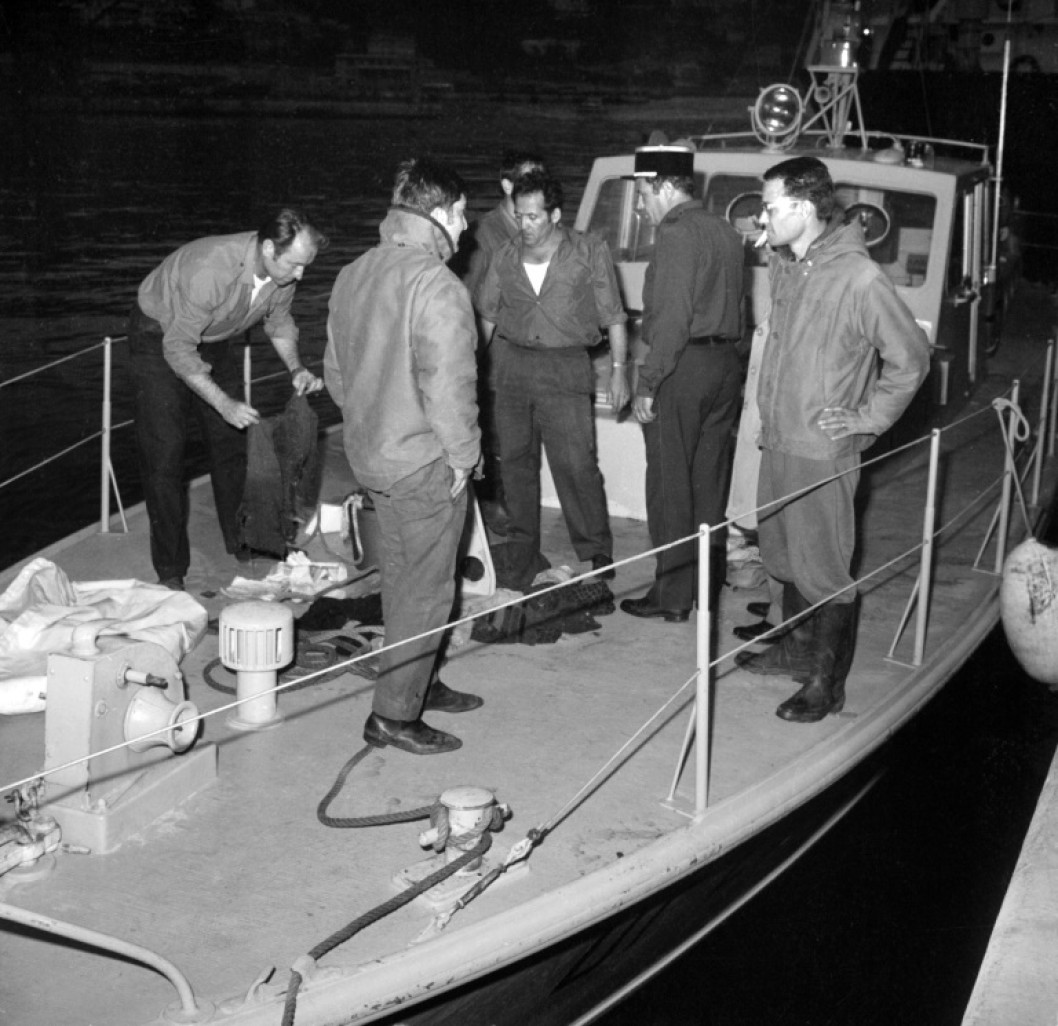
x,y
297,576
42,608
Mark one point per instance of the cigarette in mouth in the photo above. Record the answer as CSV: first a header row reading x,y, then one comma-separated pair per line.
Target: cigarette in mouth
x,y
761,239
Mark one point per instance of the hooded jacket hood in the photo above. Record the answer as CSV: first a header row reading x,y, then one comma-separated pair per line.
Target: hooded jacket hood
x,y
404,226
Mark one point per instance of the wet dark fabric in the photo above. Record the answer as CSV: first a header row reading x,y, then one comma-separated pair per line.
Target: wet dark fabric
x,y
282,478
329,614
543,618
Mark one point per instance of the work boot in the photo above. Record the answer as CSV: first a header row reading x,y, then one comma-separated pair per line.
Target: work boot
x,y
792,657
824,691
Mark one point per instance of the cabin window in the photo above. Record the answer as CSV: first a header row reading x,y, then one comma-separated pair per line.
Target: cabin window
x,y
628,233
898,227
738,198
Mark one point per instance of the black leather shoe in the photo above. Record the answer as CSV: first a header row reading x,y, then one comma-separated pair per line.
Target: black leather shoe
x,y
409,736
646,608
172,583
752,631
760,609
598,562
442,698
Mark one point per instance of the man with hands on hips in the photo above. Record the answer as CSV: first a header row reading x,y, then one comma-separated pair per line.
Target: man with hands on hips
x,y
843,359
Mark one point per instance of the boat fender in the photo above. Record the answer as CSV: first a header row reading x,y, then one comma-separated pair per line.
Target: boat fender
x,y
1028,605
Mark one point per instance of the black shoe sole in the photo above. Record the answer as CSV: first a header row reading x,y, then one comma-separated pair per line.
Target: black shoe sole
x,y
634,608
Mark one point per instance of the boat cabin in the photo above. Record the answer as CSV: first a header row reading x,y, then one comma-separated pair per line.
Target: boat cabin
x,y
927,220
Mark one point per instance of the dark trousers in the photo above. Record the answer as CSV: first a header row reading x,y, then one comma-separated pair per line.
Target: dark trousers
x,y
420,527
164,407
689,463
544,398
810,541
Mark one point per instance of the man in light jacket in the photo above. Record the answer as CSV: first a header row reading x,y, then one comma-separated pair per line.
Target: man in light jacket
x,y
400,362
843,359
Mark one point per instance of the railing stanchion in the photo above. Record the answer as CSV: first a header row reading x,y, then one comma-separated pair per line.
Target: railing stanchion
x,y
247,371
1009,470
105,471
1041,430
925,573
702,700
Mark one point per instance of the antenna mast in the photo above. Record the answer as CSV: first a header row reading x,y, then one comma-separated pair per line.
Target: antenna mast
x,y
834,75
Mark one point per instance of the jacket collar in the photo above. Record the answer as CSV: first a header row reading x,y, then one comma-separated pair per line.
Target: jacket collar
x,y
404,226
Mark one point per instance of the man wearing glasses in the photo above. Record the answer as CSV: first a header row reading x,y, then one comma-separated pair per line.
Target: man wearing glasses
x,y
842,361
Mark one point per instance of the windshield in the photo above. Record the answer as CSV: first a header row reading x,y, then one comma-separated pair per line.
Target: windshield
x,y
897,225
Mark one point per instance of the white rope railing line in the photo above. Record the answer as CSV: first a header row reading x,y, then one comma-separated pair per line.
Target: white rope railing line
x,y
56,363
297,681
617,756
51,459
282,686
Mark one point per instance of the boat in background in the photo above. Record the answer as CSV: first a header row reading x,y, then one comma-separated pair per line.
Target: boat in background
x,y
226,863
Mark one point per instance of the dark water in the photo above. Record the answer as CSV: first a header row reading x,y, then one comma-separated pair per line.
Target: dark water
x,y
887,920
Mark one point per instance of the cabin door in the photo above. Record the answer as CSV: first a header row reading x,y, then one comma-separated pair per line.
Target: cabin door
x,y
966,280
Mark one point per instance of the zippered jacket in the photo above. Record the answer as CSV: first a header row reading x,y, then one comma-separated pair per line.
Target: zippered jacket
x,y
839,336
400,359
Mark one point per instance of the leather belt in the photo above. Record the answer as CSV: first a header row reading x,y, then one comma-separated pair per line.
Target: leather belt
x,y
710,340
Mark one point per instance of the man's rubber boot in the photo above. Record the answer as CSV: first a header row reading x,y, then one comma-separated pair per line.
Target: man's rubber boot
x,y
824,692
792,657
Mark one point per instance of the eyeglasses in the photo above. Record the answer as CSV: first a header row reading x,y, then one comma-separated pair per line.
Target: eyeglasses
x,y
769,209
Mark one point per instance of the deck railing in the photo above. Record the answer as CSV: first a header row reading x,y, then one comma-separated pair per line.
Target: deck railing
x,y
1016,433
105,434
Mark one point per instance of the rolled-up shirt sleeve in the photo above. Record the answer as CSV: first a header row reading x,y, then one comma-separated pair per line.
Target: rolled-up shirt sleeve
x,y
608,302
192,305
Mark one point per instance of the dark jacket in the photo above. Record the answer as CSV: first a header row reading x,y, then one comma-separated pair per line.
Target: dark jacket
x,y
400,359
282,478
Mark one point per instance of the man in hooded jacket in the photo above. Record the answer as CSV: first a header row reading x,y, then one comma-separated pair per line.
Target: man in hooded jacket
x,y
843,359
400,362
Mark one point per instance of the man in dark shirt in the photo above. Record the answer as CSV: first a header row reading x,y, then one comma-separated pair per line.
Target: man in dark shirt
x,y
486,237
689,383
545,297
188,308
498,226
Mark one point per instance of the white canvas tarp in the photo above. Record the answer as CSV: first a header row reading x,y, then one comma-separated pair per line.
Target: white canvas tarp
x,y
42,608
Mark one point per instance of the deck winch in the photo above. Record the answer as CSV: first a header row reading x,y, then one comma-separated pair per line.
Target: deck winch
x,y
127,702
256,641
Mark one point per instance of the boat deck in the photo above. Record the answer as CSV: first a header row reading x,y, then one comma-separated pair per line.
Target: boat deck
x,y
241,877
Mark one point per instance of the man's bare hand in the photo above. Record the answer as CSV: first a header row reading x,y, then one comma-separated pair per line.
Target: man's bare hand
x,y
305,382
619,390
643,408
838,422
239,415
460,476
